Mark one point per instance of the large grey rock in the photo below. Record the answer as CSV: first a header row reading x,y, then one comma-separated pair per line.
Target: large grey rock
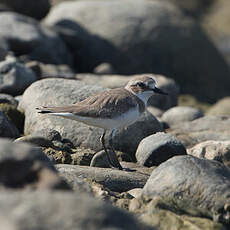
x,y
31,210
115,180
36,9
212,150
165,45
179,114
15,77
66,92
192,185
26,36
24,166
203,129
7,128
157,148
115,81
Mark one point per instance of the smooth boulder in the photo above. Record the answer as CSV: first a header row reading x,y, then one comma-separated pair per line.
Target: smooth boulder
x,y
88,28
192,185
157,148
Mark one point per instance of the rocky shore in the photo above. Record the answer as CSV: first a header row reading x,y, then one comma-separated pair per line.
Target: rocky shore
x,y
54,173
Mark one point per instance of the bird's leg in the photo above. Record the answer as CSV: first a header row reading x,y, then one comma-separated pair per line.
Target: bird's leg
x,y
103,144
111,146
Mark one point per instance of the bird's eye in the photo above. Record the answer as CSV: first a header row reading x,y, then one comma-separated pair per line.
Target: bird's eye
x,y
141,84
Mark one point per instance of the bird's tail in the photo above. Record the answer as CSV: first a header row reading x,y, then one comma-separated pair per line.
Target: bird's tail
x,y
45,109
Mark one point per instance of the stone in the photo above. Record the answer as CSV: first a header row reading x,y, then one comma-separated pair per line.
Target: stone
x,y
66,210
104,68
187,184
157,214
179,114
116,81
50,71
7,99
136,192
36,9
156,112
24,166
212,150
157,148
203,129
26,36
129,51
7,128
14,115
46,92
222,107
100,159
115,180
15,77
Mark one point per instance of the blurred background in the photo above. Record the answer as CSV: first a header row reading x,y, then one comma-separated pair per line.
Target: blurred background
x,y
186,40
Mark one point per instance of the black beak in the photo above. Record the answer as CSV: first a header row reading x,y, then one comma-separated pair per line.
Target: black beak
x,y
159,91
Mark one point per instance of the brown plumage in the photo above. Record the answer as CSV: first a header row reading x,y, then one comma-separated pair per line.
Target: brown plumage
x,y
103,105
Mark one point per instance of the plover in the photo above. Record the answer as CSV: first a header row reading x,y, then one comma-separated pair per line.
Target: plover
x,y
112,109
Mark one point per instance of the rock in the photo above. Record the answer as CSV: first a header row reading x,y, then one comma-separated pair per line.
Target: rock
x,y
115,180
29,210
203,129
212,150
8,99
46,92
37,9
26,36
100,159
156,213
136,192
15,77
24,166
130,52
222,107
104,68
179,114
50,71
7,128
14,115
157,148
187,184
156,112
116,81
49,134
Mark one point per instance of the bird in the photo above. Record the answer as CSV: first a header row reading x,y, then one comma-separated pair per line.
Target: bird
x,y
110,110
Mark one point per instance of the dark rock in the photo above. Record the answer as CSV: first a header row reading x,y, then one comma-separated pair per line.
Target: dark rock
x,y
177,115
14,115
157,148
26,36
62,210
115,180
24,166
165,45
46,92
7,128
49,134
191,185
36,9
15,77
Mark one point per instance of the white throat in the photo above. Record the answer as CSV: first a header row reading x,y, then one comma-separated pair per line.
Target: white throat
x,y
144,96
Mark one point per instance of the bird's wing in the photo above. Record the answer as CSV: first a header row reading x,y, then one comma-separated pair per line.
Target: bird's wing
x,y
103,105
